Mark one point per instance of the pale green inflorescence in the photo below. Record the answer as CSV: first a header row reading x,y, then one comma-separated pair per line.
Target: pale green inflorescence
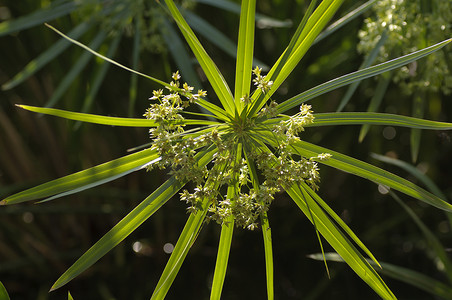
x,y
410,26
178,149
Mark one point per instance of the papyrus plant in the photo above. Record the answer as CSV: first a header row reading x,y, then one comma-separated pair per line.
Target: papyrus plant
x,y
240,155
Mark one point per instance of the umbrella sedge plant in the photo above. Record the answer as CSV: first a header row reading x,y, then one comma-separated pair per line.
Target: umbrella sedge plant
x,y
240,155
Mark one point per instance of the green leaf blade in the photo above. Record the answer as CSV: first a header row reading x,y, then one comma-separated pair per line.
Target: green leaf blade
x,y
224,247
213,74
358,75
121,230
106,120
371,118
339,242
185,241
365,170
112,169
245,50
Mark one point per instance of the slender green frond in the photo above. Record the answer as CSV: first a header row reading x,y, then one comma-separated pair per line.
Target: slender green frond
x,y
245,50
339,242
129,223
216,37
179,53
185,241
89,177
106,58
121,230
369,118
408,276
47,56
52,12
358,75
105,120
268,250
266,231
339,221
213,74
351,165
299,45
227,229
221,264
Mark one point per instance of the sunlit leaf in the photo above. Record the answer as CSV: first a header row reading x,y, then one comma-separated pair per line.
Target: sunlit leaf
x,y
89,177
213,74
339,242
358,75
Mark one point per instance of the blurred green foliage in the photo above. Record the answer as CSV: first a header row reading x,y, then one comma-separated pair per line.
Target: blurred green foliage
x,y
37,243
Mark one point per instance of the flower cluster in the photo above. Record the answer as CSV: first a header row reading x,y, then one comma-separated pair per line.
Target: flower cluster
x,y
262,84
225,182
408,26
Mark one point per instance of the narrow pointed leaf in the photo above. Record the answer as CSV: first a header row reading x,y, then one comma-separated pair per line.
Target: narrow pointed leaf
x,y
179,53
268,250
105,120
108,59
245,50
332,214
221,264
210,69
266,232
358,75
354,166
121,230
227,229
339,242
216,37
111,169
360,118
183,245
129,223
298,47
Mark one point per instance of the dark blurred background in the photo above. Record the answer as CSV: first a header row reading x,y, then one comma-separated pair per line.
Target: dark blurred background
x,y
39,242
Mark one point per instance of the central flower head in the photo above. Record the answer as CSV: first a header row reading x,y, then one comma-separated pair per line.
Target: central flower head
x,y
230,182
